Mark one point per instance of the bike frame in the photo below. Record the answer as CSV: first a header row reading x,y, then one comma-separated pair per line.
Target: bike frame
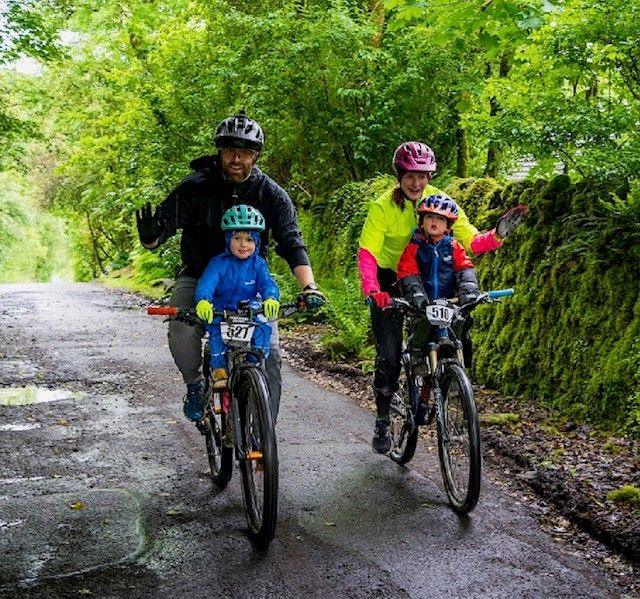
x,y
236,355
423,413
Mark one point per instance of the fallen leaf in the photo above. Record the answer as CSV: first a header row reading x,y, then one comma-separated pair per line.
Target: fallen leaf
x,y
329,523
63,422
77,505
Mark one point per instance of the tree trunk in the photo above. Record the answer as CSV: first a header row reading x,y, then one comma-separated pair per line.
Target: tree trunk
x,y
494,148
462,147
377,12
94,247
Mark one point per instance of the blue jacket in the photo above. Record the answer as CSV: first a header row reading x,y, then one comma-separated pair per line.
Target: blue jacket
x,y
437,264
228,280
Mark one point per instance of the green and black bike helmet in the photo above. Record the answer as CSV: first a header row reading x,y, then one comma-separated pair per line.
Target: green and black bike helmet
x,y
239,131
242,218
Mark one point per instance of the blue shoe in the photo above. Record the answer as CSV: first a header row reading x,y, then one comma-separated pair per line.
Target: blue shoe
x,y
193,407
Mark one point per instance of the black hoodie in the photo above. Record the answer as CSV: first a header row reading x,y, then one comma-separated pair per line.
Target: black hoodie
x,y
197,204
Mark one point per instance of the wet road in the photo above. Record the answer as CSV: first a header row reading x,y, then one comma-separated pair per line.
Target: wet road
x,y
104,491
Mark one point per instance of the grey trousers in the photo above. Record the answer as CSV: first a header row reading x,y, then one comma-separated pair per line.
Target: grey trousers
x,y
185,343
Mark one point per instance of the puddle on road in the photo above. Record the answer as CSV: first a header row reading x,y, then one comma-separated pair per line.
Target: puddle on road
x,y
19,427
25,396
18,368
4,524
11,481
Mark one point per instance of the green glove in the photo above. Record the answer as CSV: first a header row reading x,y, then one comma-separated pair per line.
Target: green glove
x,y
312,298
204,310
270,308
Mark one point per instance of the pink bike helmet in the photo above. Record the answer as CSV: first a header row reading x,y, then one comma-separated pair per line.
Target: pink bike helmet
x,y
414,156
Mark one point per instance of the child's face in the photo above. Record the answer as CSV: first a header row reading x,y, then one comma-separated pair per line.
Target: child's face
x,y
435,226
242,244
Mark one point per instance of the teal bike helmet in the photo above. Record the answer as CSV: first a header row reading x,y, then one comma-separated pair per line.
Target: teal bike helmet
x,y
242,218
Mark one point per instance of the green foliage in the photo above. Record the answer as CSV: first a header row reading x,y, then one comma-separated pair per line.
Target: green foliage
x,y
32,243
625,494
332,227
570,336
501,418
350,323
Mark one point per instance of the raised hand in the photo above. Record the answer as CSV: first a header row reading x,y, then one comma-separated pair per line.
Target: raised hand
x,y
149,229
510,220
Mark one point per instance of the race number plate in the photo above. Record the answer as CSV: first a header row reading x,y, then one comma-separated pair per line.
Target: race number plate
x,y
439,315
236,331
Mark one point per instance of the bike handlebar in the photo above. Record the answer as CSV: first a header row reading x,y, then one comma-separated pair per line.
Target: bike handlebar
x,y
190,313
485,296
496,293
163,310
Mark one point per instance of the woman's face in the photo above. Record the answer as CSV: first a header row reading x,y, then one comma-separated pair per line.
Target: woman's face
x,y
413,184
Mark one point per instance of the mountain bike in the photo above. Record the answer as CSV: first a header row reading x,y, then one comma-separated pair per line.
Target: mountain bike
x,y
237,420
434,384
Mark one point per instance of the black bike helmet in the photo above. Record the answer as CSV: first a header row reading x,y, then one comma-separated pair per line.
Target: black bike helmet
x,y
239,131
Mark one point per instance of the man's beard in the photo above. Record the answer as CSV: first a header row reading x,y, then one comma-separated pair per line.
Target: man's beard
x,y
237,177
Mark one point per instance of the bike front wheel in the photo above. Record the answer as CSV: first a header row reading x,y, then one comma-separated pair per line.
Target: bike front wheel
x,y
402,426
259,468
459,439
220,456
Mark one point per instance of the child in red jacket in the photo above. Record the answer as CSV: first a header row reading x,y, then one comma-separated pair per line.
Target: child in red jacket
x,y
434,265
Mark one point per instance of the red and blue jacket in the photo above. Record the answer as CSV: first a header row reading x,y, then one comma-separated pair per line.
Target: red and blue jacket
x,y
439,265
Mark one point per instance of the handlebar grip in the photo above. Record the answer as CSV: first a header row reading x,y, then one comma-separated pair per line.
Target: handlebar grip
x,y
496,293
163,310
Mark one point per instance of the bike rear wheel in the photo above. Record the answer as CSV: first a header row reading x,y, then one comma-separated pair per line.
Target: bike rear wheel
x,y
259,475
220,457
402,426
459,439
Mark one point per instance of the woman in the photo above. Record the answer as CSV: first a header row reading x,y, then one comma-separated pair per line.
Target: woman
x,y
386,232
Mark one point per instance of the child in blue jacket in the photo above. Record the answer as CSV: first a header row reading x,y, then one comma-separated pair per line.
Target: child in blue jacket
x,y
237,274
434,266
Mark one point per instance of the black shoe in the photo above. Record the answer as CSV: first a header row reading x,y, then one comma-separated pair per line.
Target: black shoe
x,y
381,442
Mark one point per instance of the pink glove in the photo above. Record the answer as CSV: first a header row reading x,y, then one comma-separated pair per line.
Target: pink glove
x,y
381,299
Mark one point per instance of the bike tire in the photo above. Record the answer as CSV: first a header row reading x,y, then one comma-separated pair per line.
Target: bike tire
x,y
259,485
220,457
459,439
403,430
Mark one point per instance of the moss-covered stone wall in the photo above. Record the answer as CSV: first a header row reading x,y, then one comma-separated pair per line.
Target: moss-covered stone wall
x,y
570,337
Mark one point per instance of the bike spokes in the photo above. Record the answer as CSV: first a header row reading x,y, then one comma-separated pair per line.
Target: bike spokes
x,y
219,453
459,440
259,466
402,427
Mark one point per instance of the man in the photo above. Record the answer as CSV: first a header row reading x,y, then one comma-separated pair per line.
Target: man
x,y
196,206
